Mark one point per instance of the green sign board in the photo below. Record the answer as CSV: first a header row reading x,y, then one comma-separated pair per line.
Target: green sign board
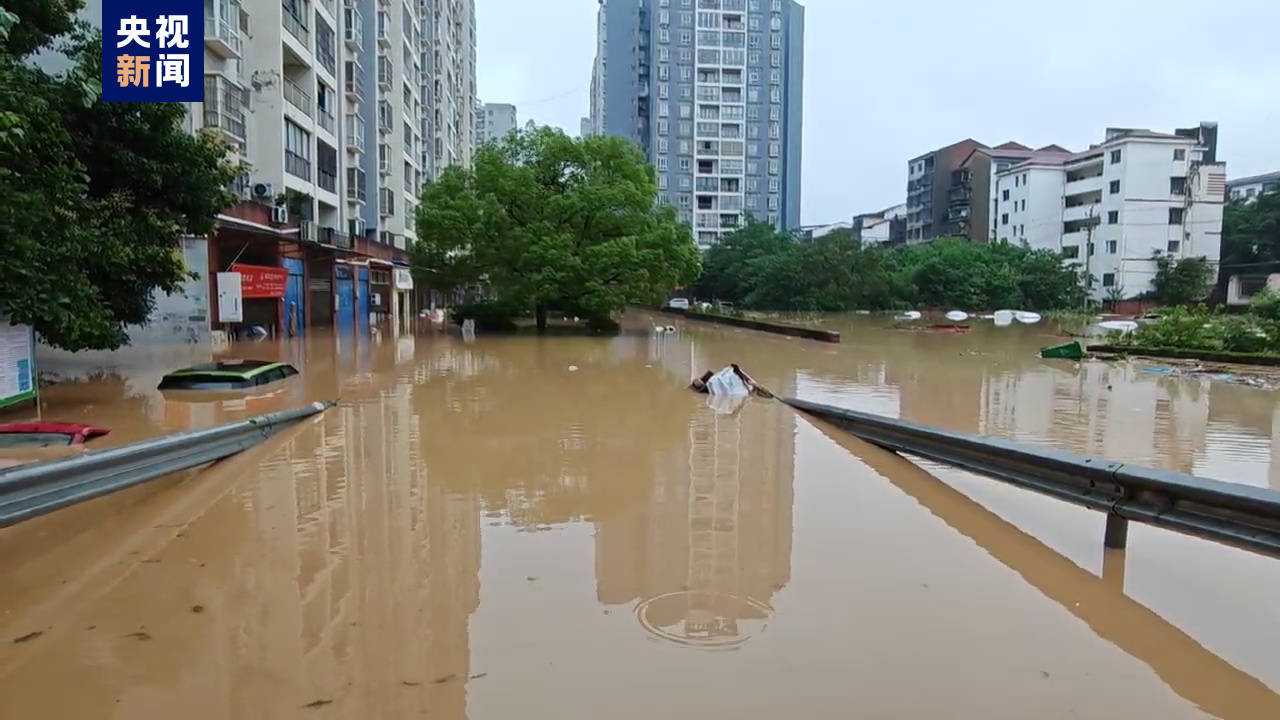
x,y
17,364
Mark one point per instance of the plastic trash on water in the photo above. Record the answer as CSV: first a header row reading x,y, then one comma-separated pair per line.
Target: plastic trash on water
x,y
727,383
908,316
1122,326
469,329
1026,317
726,404
957,316
1004,318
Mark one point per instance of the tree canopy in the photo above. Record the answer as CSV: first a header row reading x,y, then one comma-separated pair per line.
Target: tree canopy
x,y
546,221
93,196
762,268
1181,281
1251,230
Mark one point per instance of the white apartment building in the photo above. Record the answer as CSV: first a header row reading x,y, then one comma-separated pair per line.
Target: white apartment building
x,y
494,121
1247,189
326,100
1113,207
450,124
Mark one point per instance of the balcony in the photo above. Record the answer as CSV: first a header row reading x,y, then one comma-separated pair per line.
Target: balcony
x,y
335,238
327,121
294,15
384,116
297,165
325,52
327,179
1082,212
355,185
958,214
1084,184
384,29
224,108
307,231
222,29
385,73
355,132
352,26
353,80
960,195
297,97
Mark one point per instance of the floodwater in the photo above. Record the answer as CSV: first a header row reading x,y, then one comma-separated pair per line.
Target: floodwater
x,y
555,528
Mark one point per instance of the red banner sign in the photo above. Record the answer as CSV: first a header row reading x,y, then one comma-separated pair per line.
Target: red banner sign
x,y
258,281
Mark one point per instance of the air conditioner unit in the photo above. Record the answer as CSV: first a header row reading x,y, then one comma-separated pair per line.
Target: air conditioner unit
x,y
279,215
264,191
356,227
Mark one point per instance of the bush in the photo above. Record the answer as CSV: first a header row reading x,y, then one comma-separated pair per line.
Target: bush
x,y
1266,305
490,315
1195,328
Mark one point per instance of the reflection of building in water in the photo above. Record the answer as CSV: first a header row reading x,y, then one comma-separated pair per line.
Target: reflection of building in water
x,y
386,564
714,532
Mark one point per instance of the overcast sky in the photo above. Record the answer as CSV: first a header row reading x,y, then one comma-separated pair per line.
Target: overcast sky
x,y
887,80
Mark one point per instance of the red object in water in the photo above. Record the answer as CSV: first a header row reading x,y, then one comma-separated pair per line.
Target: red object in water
x,y
949,328
77,432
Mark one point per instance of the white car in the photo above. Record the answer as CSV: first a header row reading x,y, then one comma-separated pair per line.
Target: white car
x,y
678,303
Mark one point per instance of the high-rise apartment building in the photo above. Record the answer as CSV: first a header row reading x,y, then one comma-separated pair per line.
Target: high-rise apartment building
x,y
1114,207
712,91
928,188
326,104
494,121
450,124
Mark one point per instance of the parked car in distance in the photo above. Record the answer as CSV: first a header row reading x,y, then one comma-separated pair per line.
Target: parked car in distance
x,y
678,303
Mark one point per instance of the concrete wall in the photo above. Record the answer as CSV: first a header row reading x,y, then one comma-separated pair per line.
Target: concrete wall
x,y
1034,207
182,317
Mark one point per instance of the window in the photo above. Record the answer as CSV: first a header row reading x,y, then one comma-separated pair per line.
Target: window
x,y
1115,156
662,182
684,147
1111,247
753,132
774,185
1113,217
664,35
686,37
663,126
1024,178
1175,216
753,113
1175,246
1180,154
1177,186
1017,180
662,163
1108,279
684,165
1115,187
662,145
1024,204
1005,196
1004,219
1090,249
686,73
1022,230
1071,252
686,92
686,55
686,110
684,200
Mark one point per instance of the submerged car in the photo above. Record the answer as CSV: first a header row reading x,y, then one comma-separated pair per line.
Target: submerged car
x,y
678,303
228,375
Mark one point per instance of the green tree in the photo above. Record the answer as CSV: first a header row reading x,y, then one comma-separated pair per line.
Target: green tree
x,y
93,195
1251,231
550,222
1181,281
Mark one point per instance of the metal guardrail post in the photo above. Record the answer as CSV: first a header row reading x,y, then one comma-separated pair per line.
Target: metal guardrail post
x,y
1239,515
28,491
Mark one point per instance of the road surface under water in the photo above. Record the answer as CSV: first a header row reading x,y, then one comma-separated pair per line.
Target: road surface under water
x,y
555,528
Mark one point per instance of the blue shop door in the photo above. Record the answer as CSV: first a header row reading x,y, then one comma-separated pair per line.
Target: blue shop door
x,y
362,305
295,308
344,299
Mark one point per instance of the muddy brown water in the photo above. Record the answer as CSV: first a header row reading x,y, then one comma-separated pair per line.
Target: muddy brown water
x,y
556,528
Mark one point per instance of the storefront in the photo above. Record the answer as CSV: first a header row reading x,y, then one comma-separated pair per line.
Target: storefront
x,y
403,280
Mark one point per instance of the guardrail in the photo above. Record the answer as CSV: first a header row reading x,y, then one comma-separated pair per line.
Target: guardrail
x,y
1238,515
776,328
32,490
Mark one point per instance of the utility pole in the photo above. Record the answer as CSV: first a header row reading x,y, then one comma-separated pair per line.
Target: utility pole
x,y
1088,256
